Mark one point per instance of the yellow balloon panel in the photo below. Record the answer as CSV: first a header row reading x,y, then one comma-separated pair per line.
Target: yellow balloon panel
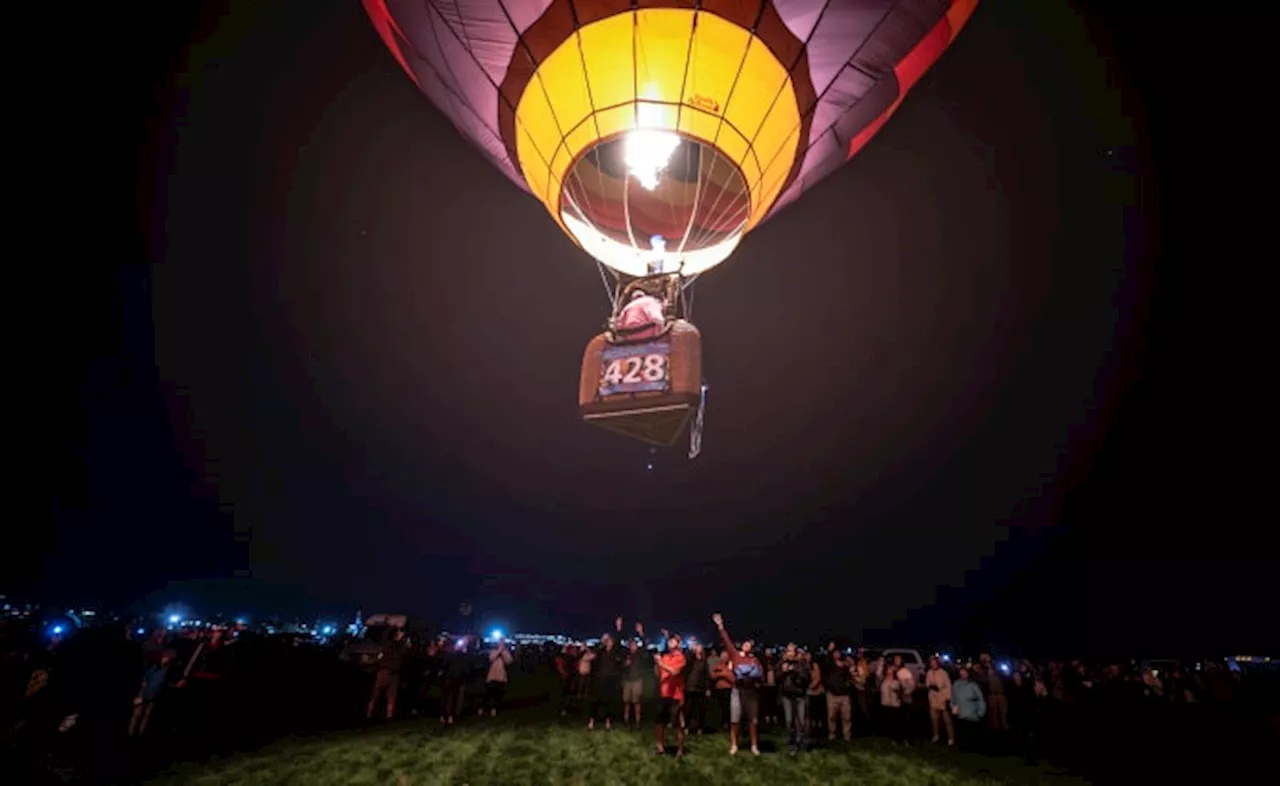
x,y
576,141
736,96
662,49
716,51
564,157
538,138
565,82
777,167
753,99
535,171
616,120
605,48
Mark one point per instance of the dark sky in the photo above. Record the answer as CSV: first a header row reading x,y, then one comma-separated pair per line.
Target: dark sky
x,y
331,359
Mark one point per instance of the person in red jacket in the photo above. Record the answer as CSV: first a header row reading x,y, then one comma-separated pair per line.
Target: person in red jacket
x,y
670,666
744,701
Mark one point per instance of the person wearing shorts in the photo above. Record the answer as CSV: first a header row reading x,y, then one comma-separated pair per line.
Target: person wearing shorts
x,y
670,665
632,692
744,704
744,700
634,665
633,686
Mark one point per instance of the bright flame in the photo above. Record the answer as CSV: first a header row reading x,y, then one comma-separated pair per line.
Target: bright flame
x,y
648,149
648,153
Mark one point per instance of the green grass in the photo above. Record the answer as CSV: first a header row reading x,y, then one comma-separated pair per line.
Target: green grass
x,y
514,752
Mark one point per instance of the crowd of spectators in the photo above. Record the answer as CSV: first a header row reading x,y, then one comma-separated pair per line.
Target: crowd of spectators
x,y
115,694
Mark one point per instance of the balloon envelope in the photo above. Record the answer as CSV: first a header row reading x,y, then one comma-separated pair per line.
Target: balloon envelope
x,y
685,122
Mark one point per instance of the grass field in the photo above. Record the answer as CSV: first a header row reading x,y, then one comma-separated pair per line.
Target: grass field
x,y
512,752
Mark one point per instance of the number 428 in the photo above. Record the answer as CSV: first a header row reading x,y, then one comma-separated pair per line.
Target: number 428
x,y
626,371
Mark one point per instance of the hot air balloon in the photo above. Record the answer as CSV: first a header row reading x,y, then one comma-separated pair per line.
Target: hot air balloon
x,y
657,133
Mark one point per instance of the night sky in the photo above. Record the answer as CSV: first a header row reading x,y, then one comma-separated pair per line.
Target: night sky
x,y
328,358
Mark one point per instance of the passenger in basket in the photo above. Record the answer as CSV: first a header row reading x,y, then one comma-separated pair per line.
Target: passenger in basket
x,y
641,318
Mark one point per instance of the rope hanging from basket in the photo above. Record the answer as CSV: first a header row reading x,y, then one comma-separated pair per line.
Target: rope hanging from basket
x,y
695,432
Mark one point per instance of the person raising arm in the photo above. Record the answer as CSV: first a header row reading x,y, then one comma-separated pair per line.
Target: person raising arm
x,y
745,697
633,678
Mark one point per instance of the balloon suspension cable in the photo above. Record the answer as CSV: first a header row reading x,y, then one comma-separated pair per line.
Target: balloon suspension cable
x,y
610,290
687,291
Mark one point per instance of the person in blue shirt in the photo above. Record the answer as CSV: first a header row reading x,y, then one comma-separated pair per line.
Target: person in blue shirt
x,y
970,708
154,680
